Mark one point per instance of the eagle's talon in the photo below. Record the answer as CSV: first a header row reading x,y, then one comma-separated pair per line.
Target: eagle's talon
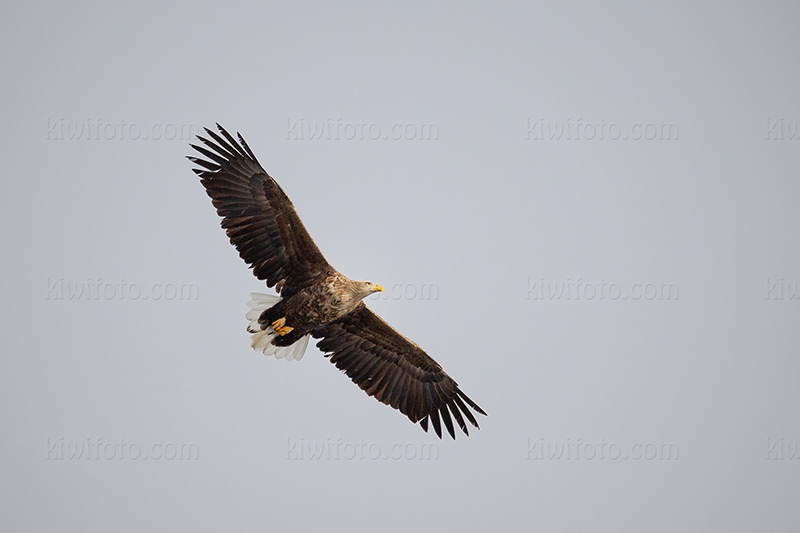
x,y
281,328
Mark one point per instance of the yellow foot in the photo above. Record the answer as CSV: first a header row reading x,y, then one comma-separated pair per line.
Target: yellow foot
x,y
281,328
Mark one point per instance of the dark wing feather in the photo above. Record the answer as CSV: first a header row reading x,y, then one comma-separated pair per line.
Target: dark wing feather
x,y
395,371
258,217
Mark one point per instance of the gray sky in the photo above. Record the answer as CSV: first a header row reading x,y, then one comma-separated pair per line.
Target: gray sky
x,y
588,215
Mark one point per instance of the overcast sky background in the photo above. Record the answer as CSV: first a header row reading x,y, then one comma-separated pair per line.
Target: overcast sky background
x,y
588,215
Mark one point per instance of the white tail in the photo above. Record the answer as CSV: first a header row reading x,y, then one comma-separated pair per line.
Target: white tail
x,y
261,340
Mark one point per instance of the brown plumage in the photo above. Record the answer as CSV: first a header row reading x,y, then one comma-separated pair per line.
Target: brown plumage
x,y
317,300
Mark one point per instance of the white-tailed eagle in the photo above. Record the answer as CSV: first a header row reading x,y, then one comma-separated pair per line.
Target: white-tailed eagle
x,y
315,299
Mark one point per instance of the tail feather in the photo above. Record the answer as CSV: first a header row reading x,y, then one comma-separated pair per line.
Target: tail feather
x,y
261,339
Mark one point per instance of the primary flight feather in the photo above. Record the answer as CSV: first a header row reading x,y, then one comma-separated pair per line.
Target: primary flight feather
x,y
315,299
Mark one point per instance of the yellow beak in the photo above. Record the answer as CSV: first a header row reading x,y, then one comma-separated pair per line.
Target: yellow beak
x,y
379,288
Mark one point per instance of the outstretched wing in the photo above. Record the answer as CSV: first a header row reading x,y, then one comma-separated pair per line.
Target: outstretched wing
x,y
395,371
258,217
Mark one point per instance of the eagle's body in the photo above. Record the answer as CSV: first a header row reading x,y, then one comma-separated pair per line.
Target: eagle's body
x,y
315,299
329,297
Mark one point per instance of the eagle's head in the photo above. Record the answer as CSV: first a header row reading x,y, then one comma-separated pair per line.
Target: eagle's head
x,y
365,288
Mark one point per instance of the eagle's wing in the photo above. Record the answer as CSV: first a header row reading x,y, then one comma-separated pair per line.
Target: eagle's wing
x,y
258,217
394,370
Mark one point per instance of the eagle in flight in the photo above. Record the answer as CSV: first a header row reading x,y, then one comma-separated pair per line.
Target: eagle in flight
x,y
315,299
